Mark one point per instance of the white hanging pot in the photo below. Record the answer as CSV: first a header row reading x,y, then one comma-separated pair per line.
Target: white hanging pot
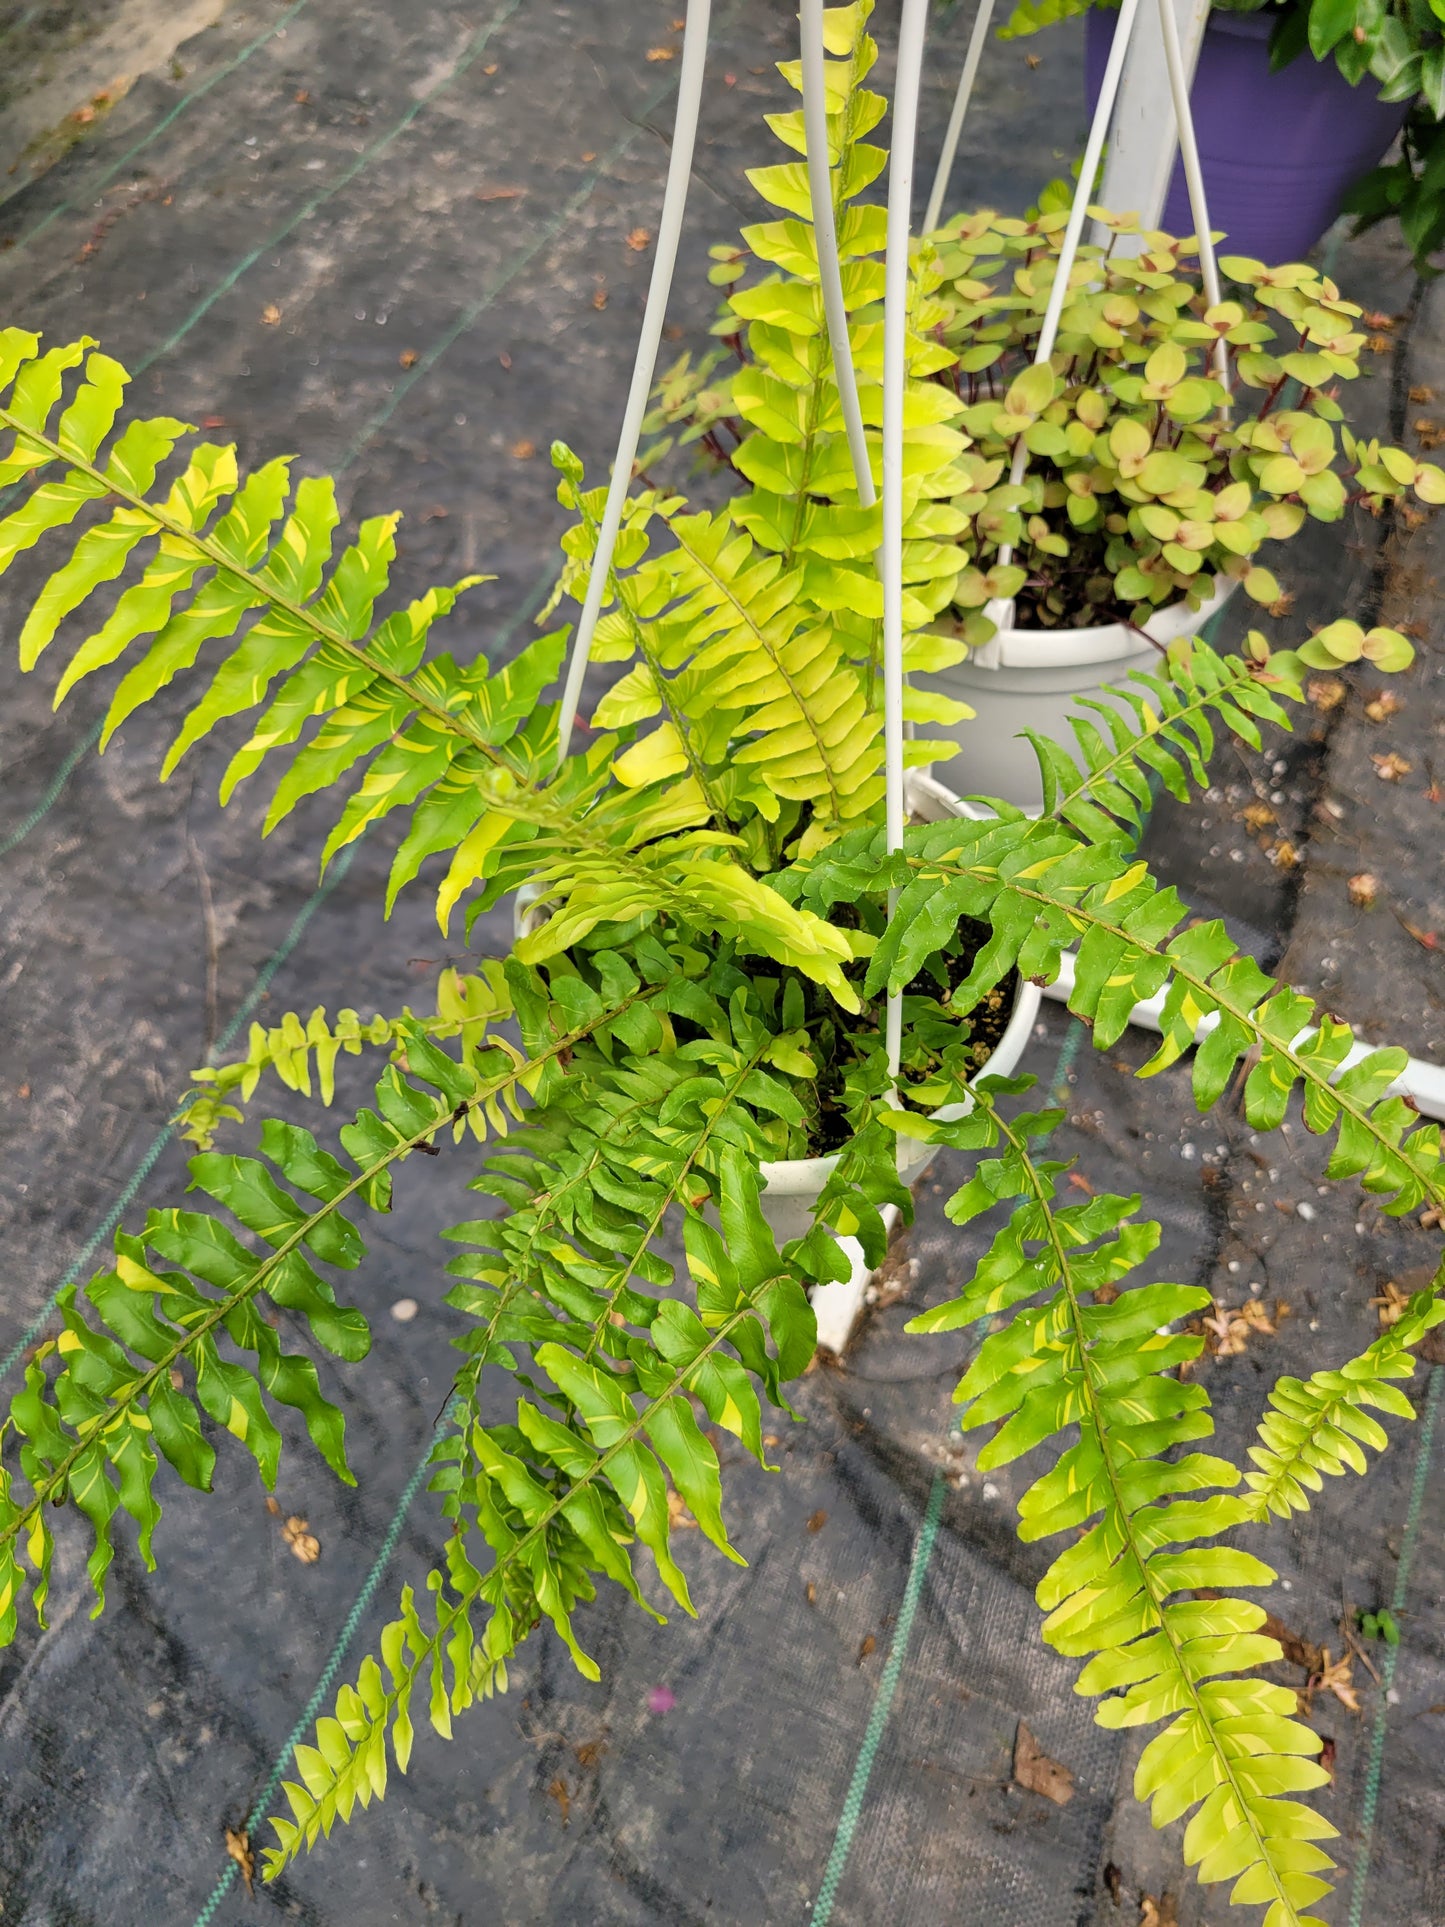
x,y
1033,679
791,1186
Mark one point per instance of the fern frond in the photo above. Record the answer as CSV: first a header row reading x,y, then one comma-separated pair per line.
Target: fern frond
x,y
1067,1359
1161,723
1315,1428
559,1495
568,1292
293,1050
1041,889
101,1399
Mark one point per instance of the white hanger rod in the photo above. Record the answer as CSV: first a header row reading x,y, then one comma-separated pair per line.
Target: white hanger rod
x,y
895,377
664,261
825,239
976,42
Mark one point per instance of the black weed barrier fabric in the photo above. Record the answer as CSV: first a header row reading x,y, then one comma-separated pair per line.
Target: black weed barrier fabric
x,y
395,238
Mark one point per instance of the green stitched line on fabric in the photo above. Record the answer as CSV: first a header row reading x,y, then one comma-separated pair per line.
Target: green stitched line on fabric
x,y
186,101
1397,1605
148,1163
332,1667
534,247
476,47
52,796
878,1719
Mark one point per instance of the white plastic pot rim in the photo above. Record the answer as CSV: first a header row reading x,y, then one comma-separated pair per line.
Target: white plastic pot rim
x,y
1106,642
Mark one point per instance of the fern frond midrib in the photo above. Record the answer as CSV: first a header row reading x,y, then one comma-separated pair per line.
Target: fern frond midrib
x,y
1043,1199
726,592
55,1480
676,1384
268,592
470,1373
1304,1069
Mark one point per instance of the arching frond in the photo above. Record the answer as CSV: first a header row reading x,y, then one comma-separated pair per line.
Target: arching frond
x,y
1099,1366
1316,1428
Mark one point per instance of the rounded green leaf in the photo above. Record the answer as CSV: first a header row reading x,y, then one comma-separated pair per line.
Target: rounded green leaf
x,y
1129,441
1344,641
1281,475
1388,650
1031,392
1261,586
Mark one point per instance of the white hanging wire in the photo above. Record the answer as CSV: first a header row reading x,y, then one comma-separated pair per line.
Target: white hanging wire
x,y
664,261
1000,610
977,39
825,240
903,140
1194,177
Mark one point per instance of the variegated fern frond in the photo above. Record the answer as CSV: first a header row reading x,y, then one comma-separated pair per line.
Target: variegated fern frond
x,y
1081,1358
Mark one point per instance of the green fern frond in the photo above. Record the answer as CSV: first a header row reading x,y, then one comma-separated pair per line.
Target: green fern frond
x,y
559,1495
1316,1428
1068,1359
1043,890
293,1050
1160,723
567,1291
111,1391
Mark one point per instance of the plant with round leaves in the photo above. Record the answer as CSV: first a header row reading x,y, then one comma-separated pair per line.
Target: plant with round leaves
x,y
1146,484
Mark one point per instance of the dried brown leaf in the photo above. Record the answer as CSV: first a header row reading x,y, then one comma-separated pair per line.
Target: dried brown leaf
x,y
1382,707
499,193
599,299
817,1522
238,1848
522,451
1336,1676
1297,1650
1391,766
679,1519
1391,1302
1158,1913
869,1645
270,315
303,1542
1257,815
1326,692
662,53
558,1791
639,239
1037,1773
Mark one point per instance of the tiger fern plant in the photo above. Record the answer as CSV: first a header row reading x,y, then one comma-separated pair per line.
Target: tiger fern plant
x,y
713,922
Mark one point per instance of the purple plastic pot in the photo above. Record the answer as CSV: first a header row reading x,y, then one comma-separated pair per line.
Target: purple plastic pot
x,y
1279,149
